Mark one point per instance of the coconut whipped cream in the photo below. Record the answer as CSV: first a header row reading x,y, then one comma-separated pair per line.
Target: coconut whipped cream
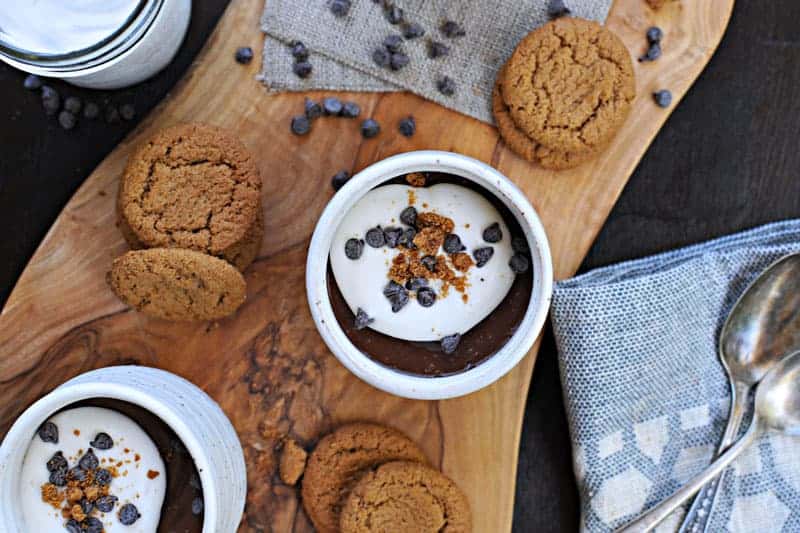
x,y
122,449
442,305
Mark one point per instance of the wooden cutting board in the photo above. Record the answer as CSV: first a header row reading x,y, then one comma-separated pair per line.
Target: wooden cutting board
x,y
267,366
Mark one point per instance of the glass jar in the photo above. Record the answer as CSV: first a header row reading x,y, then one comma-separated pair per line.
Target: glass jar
x,y
100,44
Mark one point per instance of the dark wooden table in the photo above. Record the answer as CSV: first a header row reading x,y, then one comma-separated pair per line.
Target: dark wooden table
x,y
727,159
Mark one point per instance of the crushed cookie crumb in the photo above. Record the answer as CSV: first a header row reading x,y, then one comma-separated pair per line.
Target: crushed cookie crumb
x,y
76,511
462,261
152,474
416,179
51,495
412,197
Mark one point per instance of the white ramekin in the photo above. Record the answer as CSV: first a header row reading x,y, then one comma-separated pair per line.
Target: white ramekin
x,y
400,383
197,419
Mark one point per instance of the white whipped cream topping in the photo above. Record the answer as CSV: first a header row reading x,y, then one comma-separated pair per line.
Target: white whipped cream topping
x,y
362,281
131,486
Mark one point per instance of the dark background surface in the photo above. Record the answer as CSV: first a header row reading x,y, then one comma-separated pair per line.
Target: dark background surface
x,y
726,160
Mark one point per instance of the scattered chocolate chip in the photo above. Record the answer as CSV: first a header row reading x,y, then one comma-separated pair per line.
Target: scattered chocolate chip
x,y
93,525
394,14
76,473
450,343
300,125
654,34
67,120
32,82
370,128
86,506
339,179
429,262
382,57
375,237
313,109
112,115
452,244
662,98
493,233
519,264
57,462
397,295
353,248
446,86
302,69
437,49
244,55
557,9
407,239
452,29
105,504
393,236
520,245
127,111
73,104
412,30
350,110
408,126
59,477
332,106
197,506
482,255
393,43
51,100
426,297
102,441
398,61
73,526
48,432
89,460
298,50
653,53
408,216
415,284
340,8
128,514
91,111
362,319
102,477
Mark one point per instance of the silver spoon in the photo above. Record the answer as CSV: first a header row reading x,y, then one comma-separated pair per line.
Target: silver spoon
x,y
777,409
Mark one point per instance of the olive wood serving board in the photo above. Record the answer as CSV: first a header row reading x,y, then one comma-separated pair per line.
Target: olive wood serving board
x,y
267,366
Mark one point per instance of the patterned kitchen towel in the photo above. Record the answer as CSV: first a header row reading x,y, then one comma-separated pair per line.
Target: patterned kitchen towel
x,y
341,48
646,396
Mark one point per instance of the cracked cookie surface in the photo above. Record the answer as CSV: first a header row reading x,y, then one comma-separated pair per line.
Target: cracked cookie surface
x,y
340,458
405,497
569,85
191,186
177,284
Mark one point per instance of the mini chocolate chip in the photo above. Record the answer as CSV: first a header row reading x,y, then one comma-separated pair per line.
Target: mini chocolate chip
x,y
452,244
127,111
105,504
331,106
362,319
437,49
663,98
73,104
398,61
519,264
407,126
450,343
653,53
302,69
382,57
493,233
73,526
408,216
301,125
412,30
51,100
426,297
414,284
76,473
86,506
102,441
89,460
429,262
393,236
57,462
452,29
298,50
408,238
102,477
557,9
59,477
370,128
197,506
446,86
397,295
93,525
112,115
520,245
375,237
91,111
350,110
48,432
244,55
128,514
654,34
482,255
393,43
340,8
339,179
32,82
353,248
313,109
67,120
394,14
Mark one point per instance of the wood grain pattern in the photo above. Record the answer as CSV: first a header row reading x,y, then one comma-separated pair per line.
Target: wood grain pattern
x,y
267,366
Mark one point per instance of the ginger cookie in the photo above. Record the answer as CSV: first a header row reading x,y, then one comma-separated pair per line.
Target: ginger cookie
x,y
569,85
523,146
338,461
405,497
177,284
191,186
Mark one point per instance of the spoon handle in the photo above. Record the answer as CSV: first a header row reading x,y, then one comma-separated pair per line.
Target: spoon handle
x,y
698,515
655,515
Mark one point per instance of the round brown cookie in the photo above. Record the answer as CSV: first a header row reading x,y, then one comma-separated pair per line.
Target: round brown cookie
x,y
523,146
177,284
405,497
340,458
191,186
569,85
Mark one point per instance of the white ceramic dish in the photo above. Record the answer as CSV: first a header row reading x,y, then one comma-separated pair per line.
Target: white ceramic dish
x,y
197,419
401,383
